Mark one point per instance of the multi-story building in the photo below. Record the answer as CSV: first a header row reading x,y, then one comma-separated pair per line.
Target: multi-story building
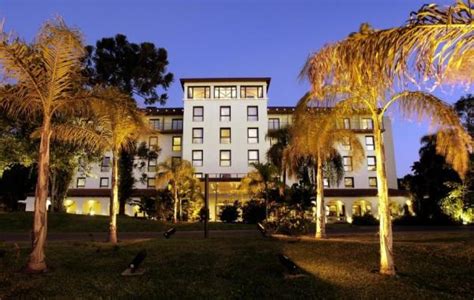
x,y
221,130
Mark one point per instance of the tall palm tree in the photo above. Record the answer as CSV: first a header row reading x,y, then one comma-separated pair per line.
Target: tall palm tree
x,y
179,176
367,72
316,134
42,81
261,180
282,136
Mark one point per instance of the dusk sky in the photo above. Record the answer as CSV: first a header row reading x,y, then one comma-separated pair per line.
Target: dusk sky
x,y
230,38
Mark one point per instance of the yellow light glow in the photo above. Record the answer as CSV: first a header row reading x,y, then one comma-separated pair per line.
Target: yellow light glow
x,y
349,220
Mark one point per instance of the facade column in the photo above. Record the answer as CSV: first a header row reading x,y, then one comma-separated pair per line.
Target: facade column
x,y
375,207
104,207
79,205
348,209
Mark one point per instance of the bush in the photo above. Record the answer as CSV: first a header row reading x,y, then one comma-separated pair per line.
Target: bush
x,y
253,212
366,219
229,214
408,220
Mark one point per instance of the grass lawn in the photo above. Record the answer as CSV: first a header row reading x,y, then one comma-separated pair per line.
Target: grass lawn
x,y
22,222
431,265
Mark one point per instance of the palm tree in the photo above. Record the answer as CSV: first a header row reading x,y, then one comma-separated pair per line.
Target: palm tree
x,y
42,82
316,134
180,177
363,73
282,136
261,180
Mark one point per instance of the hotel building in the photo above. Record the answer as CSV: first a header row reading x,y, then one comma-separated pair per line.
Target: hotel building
x,y
221,129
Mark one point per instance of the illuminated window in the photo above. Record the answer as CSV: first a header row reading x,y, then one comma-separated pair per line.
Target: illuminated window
x,y
347,162
349,182
224,158
369,142
81,182
252,113
177,124
199,92
197,158
371,163
347,123
153,143
225,92
224,135
152,162
198,135
251,92
176,144
225,113
198,175
325,182
373,181
104,182
367,123
253,157
105,164
273,123
151,182
252,135
155,124
198,113
346,143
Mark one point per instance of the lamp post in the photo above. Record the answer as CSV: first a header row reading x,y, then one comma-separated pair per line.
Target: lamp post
x,y
206,204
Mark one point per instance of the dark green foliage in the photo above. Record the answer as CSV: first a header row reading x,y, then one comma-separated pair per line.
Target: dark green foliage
x,y
302,193
253,212
15,183
126,179
365,220
291,221
229,214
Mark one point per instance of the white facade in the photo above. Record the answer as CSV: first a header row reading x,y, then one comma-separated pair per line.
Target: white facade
x,y
221,129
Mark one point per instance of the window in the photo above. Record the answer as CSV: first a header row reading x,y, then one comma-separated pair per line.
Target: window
x,y
369,142
252,135
347,162
224,158
225,113
176,144
373,181
198,175
177,124
175,160
225,92
153,143
251,92
325,182
349,182
155,124
152,164
253,156
224,135
273,123
198,135
151,182
199,92
105,164
197,157
371,163
367,123
81,182
104,182
346,143
198,113
347,123
252,113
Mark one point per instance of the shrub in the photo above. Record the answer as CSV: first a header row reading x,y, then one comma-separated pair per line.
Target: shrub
x,y
229,214
253,212
366,219
291,221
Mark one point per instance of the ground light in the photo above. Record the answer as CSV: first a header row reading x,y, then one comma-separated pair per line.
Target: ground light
x,y
168,233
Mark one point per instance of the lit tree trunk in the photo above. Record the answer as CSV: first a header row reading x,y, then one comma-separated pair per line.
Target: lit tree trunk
x,y
320,211
175,196
114,200
36,262
387,266
266,202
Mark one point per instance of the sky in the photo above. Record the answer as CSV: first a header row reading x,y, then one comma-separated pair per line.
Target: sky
x,y
231,38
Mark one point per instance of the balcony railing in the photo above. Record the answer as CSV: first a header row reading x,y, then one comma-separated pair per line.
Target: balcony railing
x,y
355,124
226,175
272,125
169,126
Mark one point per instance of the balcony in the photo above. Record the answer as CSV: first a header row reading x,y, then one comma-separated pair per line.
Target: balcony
x,y
225,176
175,126
273,125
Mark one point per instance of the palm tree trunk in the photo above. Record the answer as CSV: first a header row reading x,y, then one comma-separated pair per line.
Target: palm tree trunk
x,y
175,212
320,208
266,202
387,265
36,262
114,200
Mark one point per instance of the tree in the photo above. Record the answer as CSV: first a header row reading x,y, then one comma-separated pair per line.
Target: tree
x,y
316,135
46,84
261,181
138,70
179,176
365,72
282,137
